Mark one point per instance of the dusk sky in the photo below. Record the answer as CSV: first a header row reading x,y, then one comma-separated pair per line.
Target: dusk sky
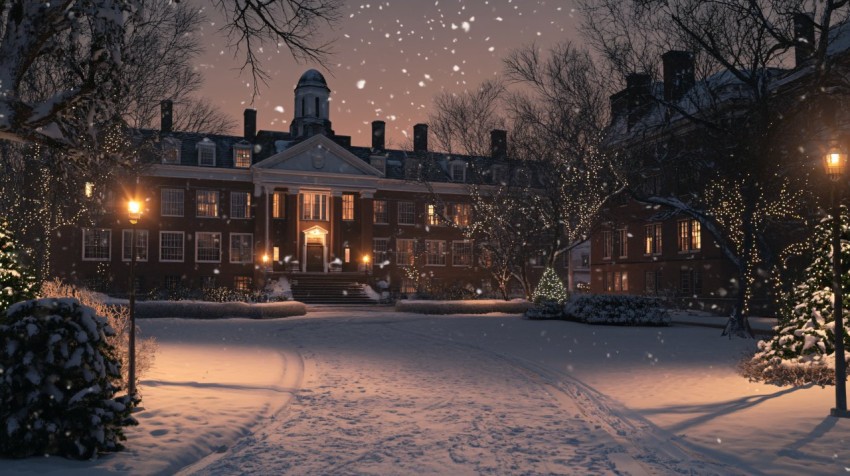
x,y
391,58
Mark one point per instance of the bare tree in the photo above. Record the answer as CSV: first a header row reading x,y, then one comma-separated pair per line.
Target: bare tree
x,y
253,25
555,179
727,140
65,65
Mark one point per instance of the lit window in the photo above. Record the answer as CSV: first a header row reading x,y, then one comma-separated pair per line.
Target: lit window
x,y
141,245
315,206
240,205
462,253
380,208
406,213
207,247
435,253
206,153
347,206
207,203
97,244
404,251
653,239
242,283
171,246
616,281
242,157
434,212
278,205
89,190
689,236
171,202
242,248
461,214
276,253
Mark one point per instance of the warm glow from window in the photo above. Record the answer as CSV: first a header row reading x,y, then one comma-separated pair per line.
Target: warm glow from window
x,y
89,189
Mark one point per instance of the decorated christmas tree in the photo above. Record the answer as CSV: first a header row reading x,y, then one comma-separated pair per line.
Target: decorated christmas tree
x,y
802,350
16,283
550,288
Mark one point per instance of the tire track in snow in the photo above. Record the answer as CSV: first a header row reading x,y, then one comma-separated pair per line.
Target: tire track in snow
x,y
648,448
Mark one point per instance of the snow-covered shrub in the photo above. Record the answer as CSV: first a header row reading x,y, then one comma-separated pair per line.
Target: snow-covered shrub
x,y
16,283
118,318
219,310
278,290
481,306
616,309
802,348
545,310
58,380
550,288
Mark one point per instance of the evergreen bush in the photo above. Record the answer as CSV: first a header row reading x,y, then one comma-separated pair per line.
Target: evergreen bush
x,y
58,380
802,350
616,309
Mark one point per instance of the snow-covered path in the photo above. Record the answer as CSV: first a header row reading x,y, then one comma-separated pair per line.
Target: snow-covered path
x,y
371,391
381,398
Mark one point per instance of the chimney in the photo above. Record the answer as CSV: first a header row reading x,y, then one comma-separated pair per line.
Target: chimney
x,y
378,131
638,92
420,138
498,144
678,74
804,37
619,104
166,119
250,125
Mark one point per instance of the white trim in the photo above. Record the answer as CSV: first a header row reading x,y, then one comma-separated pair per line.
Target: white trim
x,y
217,203
230,248
386,211
247,204
206,145
427,254
398,212
197,245
182,204
315,231
249,148
182,241
123,242
313,142
471,254
108,245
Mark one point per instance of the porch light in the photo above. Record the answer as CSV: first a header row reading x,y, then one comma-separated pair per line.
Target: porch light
x,y
835,163
134,211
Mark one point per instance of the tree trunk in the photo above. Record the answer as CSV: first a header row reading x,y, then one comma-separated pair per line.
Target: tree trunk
x,y
738,323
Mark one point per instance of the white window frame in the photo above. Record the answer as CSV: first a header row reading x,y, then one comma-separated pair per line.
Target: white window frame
x,y
652,239
162,202
108,232
236,156
432,217
347,207
198,235
455,254
403,213
278,205
234,206
214,204
386,214
318,202
233,256
182,248
380,251
623,241
126,252
691,240
607,244
435,257
206,146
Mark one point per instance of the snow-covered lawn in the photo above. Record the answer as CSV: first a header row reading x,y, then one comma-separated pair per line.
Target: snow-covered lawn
x,y
375,391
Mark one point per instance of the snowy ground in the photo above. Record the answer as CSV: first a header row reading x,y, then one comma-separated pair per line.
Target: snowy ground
x,y
373,391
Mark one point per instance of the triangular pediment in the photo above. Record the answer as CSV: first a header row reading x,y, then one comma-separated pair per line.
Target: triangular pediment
x,y
320,155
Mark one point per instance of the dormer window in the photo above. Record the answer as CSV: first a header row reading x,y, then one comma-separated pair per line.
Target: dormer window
x,y
206,153
498,174
170,151
242,156
458,171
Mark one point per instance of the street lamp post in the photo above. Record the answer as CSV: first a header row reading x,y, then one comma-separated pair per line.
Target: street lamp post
x,y
265,271
366,267
835,164
134,210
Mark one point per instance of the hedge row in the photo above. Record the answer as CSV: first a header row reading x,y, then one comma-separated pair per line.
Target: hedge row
x,y
481,306
213,310
605,309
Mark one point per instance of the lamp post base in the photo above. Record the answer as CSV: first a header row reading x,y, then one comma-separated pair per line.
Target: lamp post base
x,y
838,413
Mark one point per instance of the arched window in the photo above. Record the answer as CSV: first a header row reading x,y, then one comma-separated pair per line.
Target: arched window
x,y
317,106
303,107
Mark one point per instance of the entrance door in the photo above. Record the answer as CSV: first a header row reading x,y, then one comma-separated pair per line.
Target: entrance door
x,y
315,258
